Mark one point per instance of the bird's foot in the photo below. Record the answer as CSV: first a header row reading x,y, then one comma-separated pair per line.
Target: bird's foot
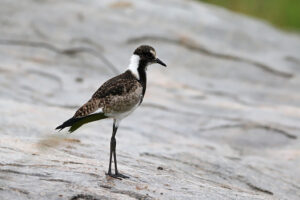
x,y
122,176
117,175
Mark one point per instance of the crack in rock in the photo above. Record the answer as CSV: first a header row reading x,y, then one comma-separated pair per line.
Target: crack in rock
x,y
47,75
67,51
56,180
23,173
127,192
193,46
172,159
259,189
293,59
230,96
133,194
16,190
253,126
21,165
87,197
238,178
188,113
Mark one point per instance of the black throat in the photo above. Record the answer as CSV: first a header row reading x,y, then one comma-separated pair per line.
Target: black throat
x,y
142,74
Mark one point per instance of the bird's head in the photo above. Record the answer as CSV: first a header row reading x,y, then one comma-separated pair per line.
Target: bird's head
x,y
147,55
142,57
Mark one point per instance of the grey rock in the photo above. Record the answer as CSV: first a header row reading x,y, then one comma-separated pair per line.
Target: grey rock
x,y
221,122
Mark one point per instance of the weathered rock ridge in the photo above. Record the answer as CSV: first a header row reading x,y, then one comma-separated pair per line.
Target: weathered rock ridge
x,y
221,122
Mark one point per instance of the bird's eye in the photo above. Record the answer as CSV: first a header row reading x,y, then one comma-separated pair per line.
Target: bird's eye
x,y
149,55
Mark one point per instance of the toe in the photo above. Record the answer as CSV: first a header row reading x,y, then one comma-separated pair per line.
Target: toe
x,y
122,176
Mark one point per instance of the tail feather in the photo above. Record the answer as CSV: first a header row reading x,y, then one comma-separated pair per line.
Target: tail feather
x,y
75,123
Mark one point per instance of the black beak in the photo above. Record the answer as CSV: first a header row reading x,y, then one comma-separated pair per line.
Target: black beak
x,y
160,62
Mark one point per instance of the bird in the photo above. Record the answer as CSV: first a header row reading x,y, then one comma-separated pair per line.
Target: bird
x,y
117,98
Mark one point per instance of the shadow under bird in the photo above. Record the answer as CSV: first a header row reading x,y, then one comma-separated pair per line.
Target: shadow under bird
x,y
117,98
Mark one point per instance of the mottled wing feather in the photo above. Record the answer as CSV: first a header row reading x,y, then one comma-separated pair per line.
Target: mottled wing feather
x,y
91,106
123,102
104,97
116,86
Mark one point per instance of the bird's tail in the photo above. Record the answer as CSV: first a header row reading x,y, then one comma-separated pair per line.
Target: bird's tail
x,y
75,123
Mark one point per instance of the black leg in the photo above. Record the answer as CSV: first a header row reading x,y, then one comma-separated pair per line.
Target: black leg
x,y
113,151
112,147
110,156
116,168
115,161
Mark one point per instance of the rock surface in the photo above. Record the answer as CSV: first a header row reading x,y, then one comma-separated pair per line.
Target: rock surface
x,y
221,122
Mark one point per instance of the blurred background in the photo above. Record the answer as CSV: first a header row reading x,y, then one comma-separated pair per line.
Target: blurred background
x,y
281,13
220,122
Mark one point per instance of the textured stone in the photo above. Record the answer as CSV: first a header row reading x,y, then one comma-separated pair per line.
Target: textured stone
x,y
221,122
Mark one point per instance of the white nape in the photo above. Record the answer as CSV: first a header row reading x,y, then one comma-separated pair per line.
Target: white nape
x,y
133,65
